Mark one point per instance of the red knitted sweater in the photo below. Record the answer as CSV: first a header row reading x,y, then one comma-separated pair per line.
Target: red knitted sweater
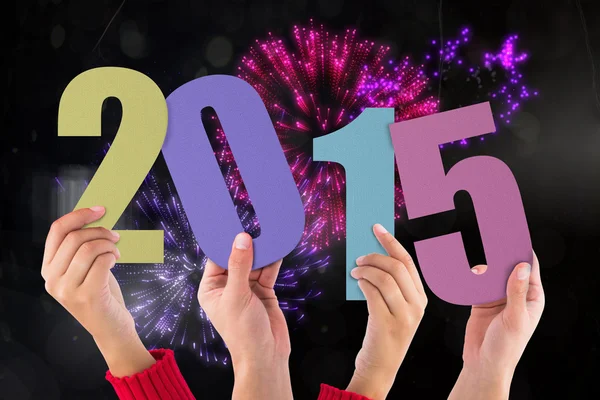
x,y
163,381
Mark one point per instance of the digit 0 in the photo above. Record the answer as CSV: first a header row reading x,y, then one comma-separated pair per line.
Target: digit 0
x,y
259,157
134,150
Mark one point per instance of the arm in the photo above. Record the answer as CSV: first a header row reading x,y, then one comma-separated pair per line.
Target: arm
x,y
257,380
474,385
77,269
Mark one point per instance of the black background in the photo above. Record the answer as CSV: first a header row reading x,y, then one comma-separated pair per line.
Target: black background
x,y
45,355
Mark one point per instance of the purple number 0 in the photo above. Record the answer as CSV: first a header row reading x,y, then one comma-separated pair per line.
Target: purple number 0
x,y
496,199
259,157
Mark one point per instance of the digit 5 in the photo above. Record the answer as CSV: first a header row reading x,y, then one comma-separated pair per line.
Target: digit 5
x,y
496,199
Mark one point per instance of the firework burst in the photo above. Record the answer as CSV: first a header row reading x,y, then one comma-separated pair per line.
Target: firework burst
x,y
316,87
493,76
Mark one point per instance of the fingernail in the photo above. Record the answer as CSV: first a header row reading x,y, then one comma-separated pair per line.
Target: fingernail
x,y
354,273
115,234
118,254
523,272
242,241
479,269
380,229
360,259
97,208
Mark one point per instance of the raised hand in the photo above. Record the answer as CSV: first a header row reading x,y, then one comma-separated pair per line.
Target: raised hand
x,y
396,302
77,269
243,307
497,334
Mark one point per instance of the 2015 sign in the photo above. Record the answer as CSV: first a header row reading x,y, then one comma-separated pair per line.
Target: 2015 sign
x,y
364,148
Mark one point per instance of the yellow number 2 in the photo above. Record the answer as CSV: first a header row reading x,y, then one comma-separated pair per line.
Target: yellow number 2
x,y
132,153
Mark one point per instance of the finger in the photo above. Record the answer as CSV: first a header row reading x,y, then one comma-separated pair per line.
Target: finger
x,y
479,269
278,322
255,274
214,277
71,244
516,291
211,269
397,251
375,303
70,222
386,285
396,269
535,295
536,278
85,257
240,263
99,273
115,289
268,275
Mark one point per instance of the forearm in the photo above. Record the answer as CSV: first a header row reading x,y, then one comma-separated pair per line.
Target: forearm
x,y
125,356
475,385
262,381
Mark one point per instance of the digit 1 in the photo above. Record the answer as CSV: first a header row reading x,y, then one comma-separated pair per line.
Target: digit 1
x,y
134,150
364,149
259,157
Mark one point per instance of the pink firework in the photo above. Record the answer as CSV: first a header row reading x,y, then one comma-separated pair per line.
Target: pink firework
x,y
316,86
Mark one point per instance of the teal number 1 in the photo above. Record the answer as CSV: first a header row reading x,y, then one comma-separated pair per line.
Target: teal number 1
x,y
364,149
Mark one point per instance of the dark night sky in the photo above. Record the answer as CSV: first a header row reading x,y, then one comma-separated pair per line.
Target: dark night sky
x,y
557,167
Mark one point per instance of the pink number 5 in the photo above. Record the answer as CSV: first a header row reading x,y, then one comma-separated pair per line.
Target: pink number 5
x,y
496,199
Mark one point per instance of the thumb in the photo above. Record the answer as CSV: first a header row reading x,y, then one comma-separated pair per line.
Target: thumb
x,y
240,263
516,291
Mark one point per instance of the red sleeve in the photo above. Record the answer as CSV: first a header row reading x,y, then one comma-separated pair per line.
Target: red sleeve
x,y
331,393
162,381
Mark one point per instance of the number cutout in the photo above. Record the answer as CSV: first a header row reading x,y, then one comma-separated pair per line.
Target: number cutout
x,y
365,150
258,155
496,198
135,148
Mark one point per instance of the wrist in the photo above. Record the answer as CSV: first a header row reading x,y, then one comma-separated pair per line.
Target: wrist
x,y
252,362
125,356
375,386
492,376
261,379
477,383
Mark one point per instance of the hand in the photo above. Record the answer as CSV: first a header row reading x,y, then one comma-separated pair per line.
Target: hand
x,y
497,334
242,306
76,268
396,302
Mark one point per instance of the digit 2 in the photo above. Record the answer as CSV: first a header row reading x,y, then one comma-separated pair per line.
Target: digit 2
x,y
135,148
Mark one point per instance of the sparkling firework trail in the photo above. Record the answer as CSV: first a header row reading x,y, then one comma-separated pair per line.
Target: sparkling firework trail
x,y
496,77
